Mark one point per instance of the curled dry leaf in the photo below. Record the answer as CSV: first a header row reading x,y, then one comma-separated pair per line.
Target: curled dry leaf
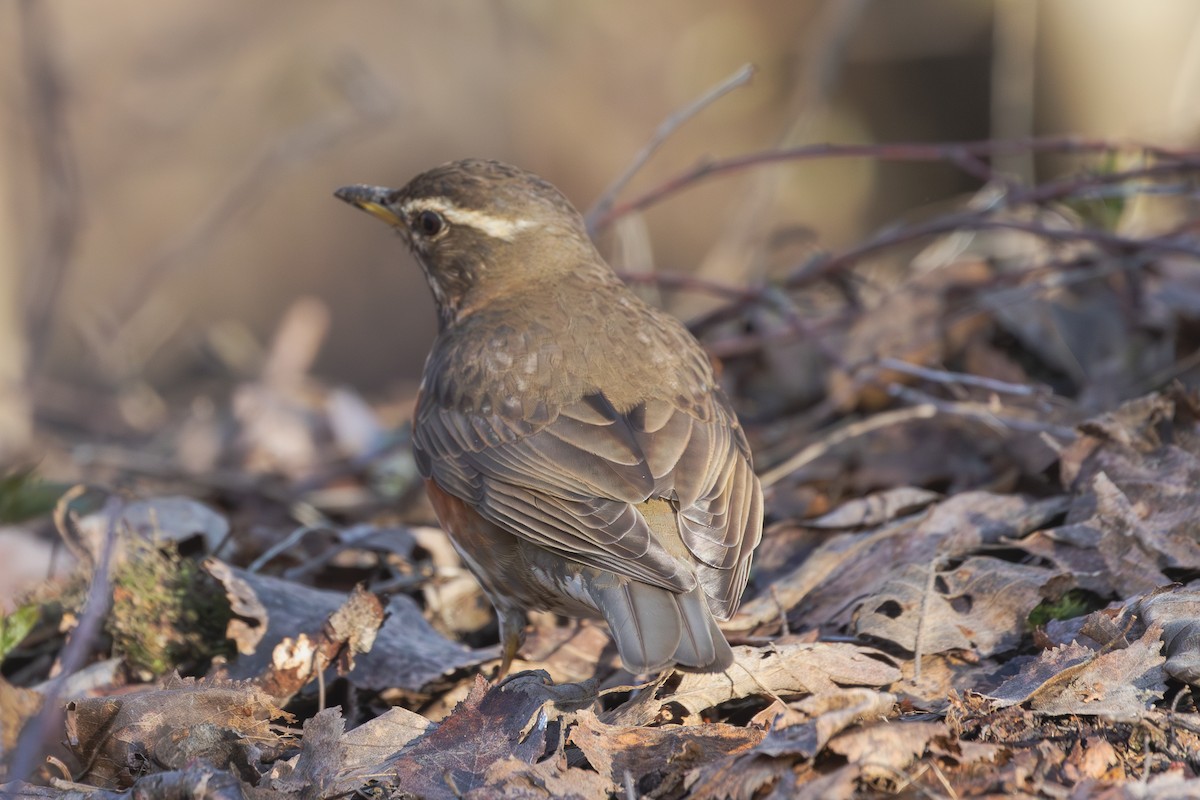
x,y
407,652
159,519
783,760
886,748
551,778
363,749
829,713
336,763
849,567
1177,612
349,631
314,771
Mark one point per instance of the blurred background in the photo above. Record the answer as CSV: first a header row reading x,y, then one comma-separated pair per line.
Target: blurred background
x,y
165,196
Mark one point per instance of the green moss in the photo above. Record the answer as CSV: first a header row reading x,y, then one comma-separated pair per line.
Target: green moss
x,y
1074,603
167,613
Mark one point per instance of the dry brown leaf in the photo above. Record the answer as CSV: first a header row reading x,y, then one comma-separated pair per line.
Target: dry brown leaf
x,y
195,782
782,669
377,739
221,723
1133,428
1132,525
549,779
1092,758
314,771
17,706
828,714
1138,542
849,567
158,519
1117,684
1177,612
656,758
407,652
754,776
782,759
350,630
887,748
980,605
340,763
513,720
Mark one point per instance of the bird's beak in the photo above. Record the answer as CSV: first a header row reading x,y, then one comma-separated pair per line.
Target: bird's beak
x,y
372,199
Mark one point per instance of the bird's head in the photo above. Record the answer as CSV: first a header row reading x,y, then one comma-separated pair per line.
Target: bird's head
x,y
481,228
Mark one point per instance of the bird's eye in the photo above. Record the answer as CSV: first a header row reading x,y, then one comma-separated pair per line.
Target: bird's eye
x,y
430,223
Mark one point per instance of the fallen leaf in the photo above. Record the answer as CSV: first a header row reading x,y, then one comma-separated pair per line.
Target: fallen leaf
x,y
656,758
981,605
512,720
551,779
829,713
1177,612
1116,684
407,652
782,669
221,723
17,706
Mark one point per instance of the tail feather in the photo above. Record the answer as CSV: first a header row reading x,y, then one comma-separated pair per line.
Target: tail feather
x,y
645,623
655,628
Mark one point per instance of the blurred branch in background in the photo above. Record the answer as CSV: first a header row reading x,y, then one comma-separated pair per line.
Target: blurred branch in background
x,y
602,205
41,258
738,253
369,102
1062,266
61,217
964,155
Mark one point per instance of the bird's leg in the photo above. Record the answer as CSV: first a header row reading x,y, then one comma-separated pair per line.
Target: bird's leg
x,y
512,634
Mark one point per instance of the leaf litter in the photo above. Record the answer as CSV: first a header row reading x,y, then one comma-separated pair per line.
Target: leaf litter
x,y
980,575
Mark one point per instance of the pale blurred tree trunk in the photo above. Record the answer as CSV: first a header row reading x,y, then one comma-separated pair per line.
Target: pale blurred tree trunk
x,y
15,409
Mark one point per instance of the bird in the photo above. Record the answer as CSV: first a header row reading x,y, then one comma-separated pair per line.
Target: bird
x,y
573,439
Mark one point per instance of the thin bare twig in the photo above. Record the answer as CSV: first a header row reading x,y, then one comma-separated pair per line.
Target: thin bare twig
x,y
842,434
957,153
980,413
958,378
672,123
75,652
821,268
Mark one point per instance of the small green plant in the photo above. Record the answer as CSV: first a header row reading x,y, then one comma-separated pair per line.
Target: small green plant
x,y
16,626
23,495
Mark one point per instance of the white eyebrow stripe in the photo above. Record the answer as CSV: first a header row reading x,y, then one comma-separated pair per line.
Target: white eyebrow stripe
x,y
496,227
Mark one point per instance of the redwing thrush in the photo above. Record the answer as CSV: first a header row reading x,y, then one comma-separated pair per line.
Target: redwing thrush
x,y
573,439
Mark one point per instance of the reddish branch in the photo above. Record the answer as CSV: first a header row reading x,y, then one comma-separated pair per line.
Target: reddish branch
x,y
968,156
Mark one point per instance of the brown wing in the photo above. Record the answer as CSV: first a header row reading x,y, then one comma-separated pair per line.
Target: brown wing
x,y
572,484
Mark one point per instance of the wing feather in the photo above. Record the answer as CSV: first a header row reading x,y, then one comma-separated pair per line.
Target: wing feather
x,y
573,482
